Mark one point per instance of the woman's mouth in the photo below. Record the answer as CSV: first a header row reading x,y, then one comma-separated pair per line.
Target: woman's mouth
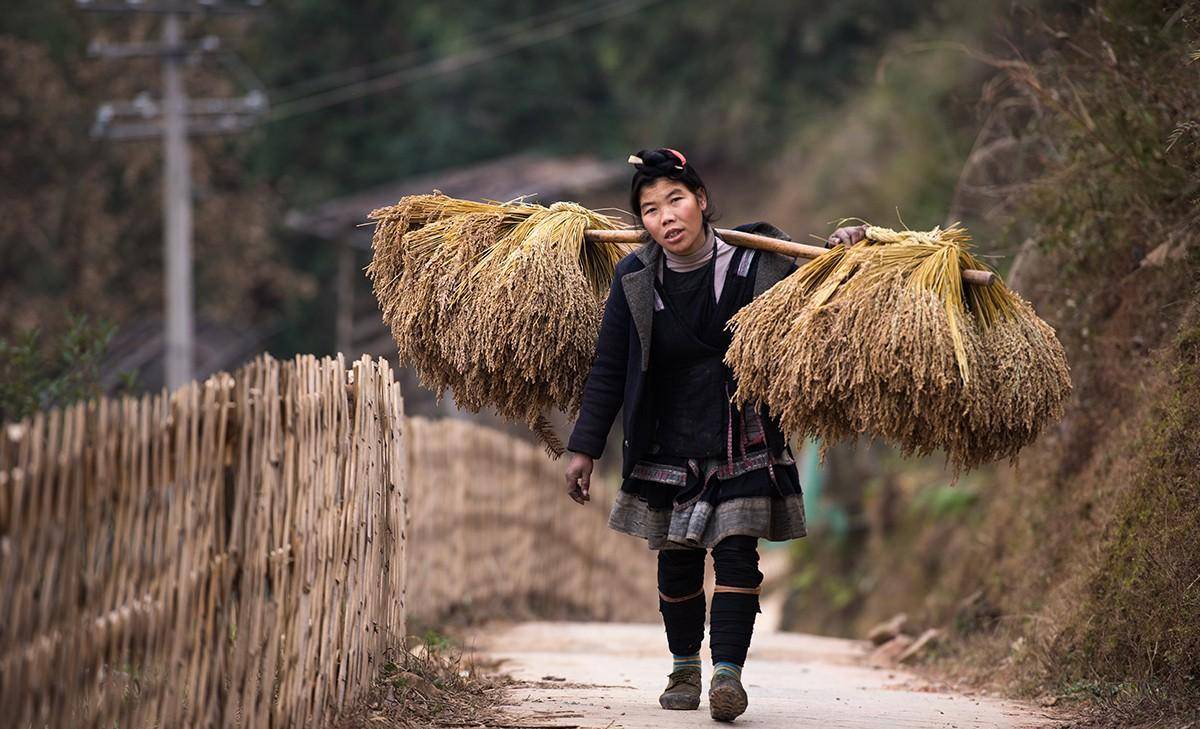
x,y
673,236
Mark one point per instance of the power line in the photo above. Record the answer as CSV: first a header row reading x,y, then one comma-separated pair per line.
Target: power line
x,y
458,61
171,7
355,74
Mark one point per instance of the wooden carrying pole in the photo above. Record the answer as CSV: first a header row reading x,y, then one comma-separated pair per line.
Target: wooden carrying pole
x,y
765,243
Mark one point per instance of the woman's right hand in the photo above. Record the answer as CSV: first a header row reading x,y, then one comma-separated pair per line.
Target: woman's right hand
x,y
579,477
846,236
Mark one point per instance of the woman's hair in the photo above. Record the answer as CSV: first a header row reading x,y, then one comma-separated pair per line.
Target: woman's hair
x,y
652,164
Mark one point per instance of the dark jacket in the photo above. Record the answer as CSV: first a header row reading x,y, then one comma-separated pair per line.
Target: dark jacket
x,y
618,374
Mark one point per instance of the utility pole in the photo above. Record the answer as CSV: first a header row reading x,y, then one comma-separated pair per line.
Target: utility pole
x,y
177,216
174,120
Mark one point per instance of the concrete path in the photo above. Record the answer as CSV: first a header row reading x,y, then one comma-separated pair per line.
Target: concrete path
x,y
609,675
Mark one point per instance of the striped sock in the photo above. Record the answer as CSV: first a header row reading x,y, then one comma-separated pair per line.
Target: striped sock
x,y
678,662
726,668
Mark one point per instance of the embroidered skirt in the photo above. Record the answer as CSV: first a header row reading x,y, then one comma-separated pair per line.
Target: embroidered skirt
x,y
676,503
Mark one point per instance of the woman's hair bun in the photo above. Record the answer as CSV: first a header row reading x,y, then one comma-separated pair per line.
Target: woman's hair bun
x,y
660,162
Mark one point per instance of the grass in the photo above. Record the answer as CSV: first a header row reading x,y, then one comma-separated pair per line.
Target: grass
x,y
432,684
1138,626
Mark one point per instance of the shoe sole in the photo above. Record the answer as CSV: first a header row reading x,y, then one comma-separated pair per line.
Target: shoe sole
x,y
726,703
679,703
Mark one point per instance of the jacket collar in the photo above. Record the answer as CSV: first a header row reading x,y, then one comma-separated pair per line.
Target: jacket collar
x,y
639,292
639,288
649,252
772,268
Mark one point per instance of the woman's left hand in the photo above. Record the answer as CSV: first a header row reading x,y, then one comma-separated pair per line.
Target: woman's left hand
x,y
847,236
579,477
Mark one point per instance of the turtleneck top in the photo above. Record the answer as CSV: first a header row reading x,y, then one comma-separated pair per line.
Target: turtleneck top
x,y
697,259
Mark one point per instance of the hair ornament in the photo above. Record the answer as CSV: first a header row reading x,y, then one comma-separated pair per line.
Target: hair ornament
x,y
635,160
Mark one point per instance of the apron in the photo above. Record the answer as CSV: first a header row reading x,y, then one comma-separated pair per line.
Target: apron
x,y
691,383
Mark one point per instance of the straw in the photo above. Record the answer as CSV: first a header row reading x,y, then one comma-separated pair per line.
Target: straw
x,y
885,339
498,303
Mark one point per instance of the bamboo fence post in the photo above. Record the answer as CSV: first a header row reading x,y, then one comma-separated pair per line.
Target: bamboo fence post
x,y
238,550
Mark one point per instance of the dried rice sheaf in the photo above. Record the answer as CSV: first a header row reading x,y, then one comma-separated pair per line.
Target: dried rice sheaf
x,y
499,303
883,338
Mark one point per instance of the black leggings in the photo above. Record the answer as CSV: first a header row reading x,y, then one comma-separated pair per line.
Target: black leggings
x,y
734,604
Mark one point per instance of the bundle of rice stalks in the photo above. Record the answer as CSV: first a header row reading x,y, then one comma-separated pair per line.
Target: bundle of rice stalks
x,y
884,338
500,303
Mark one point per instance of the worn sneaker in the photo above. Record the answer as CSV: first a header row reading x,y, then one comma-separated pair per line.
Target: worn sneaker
x,y
683,690
726,697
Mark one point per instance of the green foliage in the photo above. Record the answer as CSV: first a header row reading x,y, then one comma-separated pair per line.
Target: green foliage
x,y
944,501
892,153
435,640
730,82
753,72
36,375
1084,557
1118,133
826,583
55,25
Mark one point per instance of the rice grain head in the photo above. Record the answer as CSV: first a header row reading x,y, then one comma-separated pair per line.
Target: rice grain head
x,y
498,303
884,339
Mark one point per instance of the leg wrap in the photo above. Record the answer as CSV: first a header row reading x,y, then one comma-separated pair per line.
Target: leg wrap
x,y
735,601
681,598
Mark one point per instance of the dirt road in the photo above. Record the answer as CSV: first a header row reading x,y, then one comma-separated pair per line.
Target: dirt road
x,y
609,675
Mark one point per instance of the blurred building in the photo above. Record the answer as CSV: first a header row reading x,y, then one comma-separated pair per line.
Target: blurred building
x,y
340,222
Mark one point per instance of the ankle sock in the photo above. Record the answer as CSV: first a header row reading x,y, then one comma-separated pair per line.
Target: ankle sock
x,y
727,668
678,662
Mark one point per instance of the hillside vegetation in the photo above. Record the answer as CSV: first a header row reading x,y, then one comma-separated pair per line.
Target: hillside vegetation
x,y
1077,571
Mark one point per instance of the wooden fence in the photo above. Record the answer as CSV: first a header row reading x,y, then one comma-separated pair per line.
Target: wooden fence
x,y
228,555
235,553
492,528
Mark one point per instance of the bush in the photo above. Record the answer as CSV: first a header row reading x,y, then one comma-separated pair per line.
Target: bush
x,y
36,374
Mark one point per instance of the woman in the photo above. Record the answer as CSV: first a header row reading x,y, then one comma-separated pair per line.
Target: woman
x,y
699,474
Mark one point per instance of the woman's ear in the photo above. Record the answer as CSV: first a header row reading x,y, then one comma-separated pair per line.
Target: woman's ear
x,y
702,199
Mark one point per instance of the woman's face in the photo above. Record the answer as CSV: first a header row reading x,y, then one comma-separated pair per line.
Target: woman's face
x,y
674,215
